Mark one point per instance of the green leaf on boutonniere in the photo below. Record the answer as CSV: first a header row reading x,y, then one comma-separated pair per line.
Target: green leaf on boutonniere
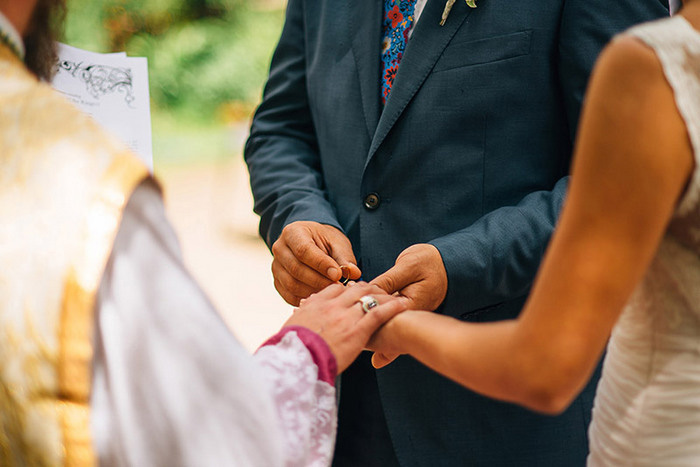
x,y
448,8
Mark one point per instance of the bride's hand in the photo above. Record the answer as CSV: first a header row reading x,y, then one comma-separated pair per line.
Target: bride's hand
x,y
336,315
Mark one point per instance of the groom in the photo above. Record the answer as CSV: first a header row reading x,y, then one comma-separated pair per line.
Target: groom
x,y
433,160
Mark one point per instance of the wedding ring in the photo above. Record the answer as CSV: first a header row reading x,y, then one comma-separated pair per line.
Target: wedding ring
x,y
344,270
368,302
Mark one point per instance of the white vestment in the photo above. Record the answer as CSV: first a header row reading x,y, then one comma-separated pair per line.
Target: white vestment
x,y
172,386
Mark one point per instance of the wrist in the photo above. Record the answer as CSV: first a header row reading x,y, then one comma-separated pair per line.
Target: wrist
x,y
399,331
408,329
318,348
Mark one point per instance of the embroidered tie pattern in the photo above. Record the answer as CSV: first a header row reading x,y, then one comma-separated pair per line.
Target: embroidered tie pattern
x,y
398,19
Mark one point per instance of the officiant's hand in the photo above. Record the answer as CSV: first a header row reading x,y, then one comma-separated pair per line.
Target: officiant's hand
x,y
308,257
419,275
336,315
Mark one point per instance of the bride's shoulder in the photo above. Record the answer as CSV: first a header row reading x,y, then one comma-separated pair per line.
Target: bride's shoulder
x,y
628,65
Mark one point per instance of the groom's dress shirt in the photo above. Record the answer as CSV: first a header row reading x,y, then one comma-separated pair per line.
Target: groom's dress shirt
x,y
420,4
674,6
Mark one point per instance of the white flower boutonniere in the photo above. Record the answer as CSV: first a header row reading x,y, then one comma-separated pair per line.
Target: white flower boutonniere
x,y
448,8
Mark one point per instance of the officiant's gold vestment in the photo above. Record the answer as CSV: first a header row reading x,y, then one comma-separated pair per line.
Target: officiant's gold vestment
x,y
63,185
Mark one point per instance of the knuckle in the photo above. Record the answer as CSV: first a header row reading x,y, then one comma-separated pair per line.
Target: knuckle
x,y
411,261
314,298
301,249
278,261
321,263
361,288
299,289
289,228
282,284
278,286
294,269
277,247
320,284
286,282
294,287
387,283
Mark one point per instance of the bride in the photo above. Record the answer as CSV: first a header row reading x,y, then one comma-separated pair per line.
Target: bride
x,y
625,258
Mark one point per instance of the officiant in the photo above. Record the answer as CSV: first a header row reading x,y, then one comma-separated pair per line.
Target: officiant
x,y
109,352
425,146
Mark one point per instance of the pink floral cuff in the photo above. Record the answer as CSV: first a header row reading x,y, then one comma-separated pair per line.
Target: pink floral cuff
x,y
318,348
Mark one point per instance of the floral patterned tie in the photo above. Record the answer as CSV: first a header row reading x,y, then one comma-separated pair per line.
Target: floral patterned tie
x,y
398,19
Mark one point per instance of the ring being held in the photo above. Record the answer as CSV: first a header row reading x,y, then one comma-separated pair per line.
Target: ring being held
x,y
368,302
345,271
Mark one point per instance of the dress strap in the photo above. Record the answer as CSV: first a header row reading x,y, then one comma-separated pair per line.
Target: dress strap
x,y
677,46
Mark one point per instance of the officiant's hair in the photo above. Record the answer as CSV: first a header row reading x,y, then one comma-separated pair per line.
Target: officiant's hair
x,y
45,29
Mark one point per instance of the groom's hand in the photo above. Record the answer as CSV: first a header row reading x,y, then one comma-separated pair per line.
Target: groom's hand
x,y
419,275
308,257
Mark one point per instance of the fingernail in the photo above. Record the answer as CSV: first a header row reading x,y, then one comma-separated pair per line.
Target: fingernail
x,y
332,272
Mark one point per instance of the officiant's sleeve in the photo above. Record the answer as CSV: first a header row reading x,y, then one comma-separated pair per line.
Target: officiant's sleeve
x,y
494,260
282,152
171,384
300,367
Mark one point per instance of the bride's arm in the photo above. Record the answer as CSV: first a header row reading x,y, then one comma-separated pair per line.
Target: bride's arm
x,y
633,160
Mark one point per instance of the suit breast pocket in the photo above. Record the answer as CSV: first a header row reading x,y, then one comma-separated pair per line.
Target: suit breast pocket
x,y
482,51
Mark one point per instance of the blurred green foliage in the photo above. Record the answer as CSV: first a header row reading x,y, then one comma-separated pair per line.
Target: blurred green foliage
x,y
207,59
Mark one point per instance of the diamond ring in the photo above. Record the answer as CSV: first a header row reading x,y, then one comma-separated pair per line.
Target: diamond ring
x,y
368,302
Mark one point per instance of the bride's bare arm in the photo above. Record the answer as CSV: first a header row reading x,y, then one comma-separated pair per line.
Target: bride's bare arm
x,y
632,162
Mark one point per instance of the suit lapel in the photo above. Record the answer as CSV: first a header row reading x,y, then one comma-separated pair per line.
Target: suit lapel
x,y
366,28
427,43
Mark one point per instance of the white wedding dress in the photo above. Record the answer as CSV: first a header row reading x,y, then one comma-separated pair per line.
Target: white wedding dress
x,y
647,408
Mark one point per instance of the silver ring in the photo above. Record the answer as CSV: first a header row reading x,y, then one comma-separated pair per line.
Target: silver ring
x,y
368,302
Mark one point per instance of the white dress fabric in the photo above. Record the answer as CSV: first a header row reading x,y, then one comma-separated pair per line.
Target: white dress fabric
x,y
173,387
647,408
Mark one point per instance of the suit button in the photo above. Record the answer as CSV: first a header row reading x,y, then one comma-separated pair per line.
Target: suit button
x,y
372,201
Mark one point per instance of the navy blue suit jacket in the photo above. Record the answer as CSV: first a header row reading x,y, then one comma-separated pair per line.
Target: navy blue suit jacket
x,y
470,154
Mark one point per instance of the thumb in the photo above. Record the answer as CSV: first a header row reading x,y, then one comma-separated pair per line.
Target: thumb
x,y
394,279
380,360
347,262
349,270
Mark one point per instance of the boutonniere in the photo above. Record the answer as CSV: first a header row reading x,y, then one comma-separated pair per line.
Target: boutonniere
x,y
448,8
